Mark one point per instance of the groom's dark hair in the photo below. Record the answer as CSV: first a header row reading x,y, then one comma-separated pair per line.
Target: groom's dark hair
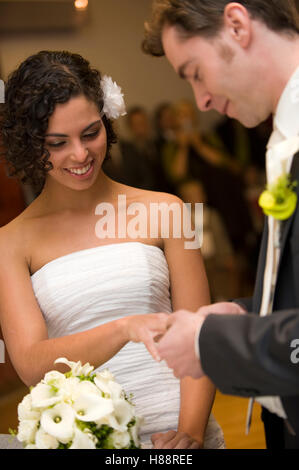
x,y
205,18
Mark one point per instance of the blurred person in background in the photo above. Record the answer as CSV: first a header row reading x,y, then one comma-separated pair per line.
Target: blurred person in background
x,y
216,249
141,163
165,128
193,157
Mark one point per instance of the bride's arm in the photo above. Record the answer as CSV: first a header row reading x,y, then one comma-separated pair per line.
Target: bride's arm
x,y
25,333
190,290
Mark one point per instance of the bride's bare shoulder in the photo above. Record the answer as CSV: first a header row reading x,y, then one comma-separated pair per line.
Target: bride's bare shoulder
x,y
15,236
146,196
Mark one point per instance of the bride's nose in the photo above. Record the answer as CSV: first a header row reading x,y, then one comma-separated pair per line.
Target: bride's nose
x,y
79,153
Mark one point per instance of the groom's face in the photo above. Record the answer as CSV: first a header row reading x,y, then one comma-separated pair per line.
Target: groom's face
x,y
220,73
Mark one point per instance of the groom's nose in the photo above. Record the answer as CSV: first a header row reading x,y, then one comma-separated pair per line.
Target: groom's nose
x,y
203,98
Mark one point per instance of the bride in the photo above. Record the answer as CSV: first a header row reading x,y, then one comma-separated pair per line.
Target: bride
x,y
65,291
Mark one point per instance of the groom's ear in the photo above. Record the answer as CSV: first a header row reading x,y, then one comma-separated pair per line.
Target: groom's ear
x,y
238,24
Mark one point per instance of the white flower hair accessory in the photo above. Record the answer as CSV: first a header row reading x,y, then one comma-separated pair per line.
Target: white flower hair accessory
x,y
114,105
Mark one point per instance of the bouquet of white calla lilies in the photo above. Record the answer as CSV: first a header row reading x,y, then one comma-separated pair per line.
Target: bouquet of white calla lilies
x,y
77,410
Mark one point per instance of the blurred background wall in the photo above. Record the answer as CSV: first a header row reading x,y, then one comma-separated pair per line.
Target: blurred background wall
x,y
110,38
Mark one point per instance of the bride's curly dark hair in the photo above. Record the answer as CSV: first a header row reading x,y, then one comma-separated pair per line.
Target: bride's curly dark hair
x,y
31,94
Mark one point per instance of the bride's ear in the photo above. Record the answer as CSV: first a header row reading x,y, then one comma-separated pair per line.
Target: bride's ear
x,y
238,24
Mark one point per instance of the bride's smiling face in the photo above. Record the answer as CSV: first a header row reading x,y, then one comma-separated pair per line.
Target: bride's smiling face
x,y
77,141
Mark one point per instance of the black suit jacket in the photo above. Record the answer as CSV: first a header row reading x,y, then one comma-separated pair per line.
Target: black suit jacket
x,y
250,356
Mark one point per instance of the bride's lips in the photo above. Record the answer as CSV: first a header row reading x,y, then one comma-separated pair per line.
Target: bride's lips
x,y
84,175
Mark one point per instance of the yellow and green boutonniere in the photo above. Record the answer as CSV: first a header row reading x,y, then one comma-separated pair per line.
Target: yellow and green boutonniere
x,y
279,199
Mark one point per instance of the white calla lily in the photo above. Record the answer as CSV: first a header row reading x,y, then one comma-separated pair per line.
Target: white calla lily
x,y
116,391
83,440
25,410
134,431
91,407
123,412
106,383
43,440
59,422
27,430
68,389
102,385
87,387
119,440
76,367
55,378
112,422
105,374
43,395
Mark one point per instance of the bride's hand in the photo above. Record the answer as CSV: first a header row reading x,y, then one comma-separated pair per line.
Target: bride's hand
x,y
145,329
174,440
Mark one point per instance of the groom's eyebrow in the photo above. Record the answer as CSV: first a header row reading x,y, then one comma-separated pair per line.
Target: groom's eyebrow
x,y
84,130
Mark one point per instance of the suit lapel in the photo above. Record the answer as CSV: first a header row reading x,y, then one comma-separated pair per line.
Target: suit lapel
x,y
288,223
258,292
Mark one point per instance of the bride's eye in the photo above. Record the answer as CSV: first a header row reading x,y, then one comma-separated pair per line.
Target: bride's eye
x,y
92,135
55,144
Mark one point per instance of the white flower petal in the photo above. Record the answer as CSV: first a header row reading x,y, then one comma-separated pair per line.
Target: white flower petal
x,y
86,369
124,412
119,440
134,431
91,407
43,440
43,395
27,430
59,422
25,410
83,440
105,374
76,367
112,422
116,390
54,378
69,389
114,105
64,360
88,387
102,385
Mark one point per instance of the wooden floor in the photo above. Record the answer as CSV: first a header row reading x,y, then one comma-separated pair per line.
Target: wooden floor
x,y
229,411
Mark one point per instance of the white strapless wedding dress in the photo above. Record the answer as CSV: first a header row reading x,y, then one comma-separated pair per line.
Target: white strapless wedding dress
x,y
87,288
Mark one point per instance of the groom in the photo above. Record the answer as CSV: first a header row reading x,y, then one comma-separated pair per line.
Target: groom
x,y
242,59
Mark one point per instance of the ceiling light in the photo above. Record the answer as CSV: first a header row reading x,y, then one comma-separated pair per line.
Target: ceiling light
x,y
81,4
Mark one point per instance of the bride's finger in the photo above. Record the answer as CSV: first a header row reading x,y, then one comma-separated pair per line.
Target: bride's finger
x,y
150,345
195,445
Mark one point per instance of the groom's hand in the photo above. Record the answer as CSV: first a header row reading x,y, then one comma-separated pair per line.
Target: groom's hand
x,y
177,347
222,308
174,440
